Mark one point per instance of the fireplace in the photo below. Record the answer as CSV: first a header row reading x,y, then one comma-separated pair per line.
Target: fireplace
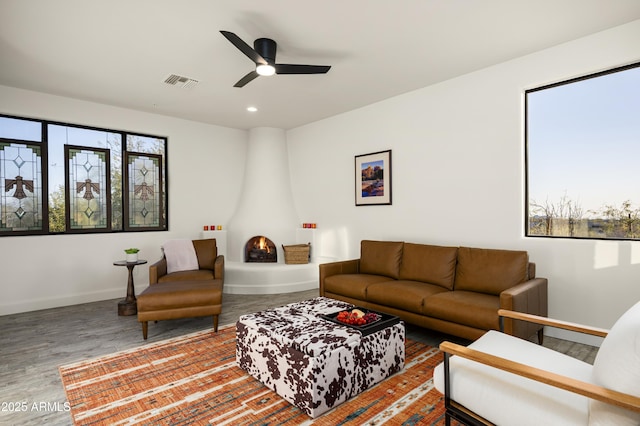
x,y
260,249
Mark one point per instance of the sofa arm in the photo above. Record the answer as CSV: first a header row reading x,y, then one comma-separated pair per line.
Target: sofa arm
x,y
529,297
337,268
218,268
157,270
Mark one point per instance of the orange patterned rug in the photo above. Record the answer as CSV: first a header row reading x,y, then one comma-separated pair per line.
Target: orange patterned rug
x,y
194,380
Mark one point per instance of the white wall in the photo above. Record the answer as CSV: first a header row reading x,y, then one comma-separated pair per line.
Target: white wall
x,y
458,179
206,167
458,175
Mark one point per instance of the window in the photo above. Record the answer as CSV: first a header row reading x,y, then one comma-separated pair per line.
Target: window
x,y
63,178
582,156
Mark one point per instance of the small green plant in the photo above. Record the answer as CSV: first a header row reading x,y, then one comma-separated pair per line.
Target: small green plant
x,y
131,250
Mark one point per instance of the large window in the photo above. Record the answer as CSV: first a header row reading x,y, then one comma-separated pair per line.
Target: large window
x,y
63,178
583,157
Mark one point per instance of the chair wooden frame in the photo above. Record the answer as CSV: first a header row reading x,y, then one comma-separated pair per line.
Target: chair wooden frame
x,y
463,415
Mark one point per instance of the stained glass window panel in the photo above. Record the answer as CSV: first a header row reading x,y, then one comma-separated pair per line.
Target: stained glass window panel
x,y
144,191
88,188
21,184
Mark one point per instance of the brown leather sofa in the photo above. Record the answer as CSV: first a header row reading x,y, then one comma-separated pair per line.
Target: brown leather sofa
x,y
454,290
184,294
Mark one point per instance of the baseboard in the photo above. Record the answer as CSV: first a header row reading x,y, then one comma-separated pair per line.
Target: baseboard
x,y
38,304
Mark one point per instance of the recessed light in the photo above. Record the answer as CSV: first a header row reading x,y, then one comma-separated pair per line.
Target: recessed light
x,y
252,109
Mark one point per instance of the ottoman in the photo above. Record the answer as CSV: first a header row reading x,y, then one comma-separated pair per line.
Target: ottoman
x,y
313,363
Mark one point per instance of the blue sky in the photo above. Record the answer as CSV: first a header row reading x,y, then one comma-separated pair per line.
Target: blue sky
x,y
373,164
584,141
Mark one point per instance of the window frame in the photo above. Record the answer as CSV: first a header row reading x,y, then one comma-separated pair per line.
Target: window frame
x,y
46,192
527,201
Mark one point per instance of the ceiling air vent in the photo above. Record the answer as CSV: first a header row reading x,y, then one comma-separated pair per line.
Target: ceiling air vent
x,y
180,81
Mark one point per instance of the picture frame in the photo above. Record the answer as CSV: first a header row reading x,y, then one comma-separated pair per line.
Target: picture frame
x,y
373,179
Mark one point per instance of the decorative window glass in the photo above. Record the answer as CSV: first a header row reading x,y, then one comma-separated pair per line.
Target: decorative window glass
x,y
144,194
88,200
21,207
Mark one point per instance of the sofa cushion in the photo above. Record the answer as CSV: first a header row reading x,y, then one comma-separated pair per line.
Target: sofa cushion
x,y
351,285
617,367
429,264
401,294
380,258
477,310
490,271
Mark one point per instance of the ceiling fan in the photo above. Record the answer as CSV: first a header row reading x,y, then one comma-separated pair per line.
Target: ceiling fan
x,y
264,56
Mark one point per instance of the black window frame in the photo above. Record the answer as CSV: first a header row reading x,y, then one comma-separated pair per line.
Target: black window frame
x,y
44,145
527,202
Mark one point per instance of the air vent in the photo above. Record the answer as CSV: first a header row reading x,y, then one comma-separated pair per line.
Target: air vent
x,y
181,81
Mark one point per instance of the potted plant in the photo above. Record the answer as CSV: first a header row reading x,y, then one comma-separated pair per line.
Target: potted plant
x,y
132,254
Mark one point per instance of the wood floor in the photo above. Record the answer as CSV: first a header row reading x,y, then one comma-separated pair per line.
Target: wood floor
x,y
34,344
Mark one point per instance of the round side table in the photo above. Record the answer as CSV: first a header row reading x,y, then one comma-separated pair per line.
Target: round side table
x,y
128,305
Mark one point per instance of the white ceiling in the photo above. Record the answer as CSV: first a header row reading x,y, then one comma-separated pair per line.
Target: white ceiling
x,y
119,52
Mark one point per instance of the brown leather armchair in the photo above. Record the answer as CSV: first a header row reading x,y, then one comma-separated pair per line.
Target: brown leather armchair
x,y
184,294
211,265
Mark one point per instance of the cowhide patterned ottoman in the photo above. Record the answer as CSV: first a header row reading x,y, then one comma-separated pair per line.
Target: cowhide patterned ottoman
x,y
313,363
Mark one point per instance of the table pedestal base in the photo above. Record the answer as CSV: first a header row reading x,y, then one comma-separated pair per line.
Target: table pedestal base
x,y
127,308
129,305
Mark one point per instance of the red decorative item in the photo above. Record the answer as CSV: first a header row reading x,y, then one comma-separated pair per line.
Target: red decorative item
x,y
357,317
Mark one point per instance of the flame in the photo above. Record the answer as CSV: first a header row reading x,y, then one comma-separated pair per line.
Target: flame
x,y
262,245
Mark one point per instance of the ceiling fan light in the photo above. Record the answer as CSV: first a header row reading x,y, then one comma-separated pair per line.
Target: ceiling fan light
x,y
265,70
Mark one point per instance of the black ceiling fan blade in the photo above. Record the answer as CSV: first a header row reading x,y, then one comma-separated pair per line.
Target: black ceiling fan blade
x,y
246,79
244,48
301,69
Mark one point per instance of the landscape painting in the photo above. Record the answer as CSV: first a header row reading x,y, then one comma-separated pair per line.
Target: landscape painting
x,y
373,178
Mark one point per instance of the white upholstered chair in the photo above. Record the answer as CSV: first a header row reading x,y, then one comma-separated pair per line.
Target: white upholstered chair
x,y
501,379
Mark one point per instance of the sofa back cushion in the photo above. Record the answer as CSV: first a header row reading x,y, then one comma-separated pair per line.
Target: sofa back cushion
x,y
381,257
490,271
617,367
429,264
206,251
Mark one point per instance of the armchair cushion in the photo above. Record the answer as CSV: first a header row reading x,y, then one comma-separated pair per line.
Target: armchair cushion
x,y
193,275
504,398
206,252
180,255
617,367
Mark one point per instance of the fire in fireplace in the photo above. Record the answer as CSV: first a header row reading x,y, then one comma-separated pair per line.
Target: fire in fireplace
x,y
260,249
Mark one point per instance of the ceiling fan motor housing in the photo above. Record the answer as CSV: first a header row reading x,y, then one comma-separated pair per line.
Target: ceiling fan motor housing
x,y
266,48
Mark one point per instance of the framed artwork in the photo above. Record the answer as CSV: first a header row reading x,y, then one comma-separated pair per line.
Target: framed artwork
x,y
373,179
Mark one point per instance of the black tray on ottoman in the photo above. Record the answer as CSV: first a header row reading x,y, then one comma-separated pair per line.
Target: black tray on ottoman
x,y
386,320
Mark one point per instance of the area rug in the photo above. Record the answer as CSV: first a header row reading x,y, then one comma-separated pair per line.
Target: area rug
x,y
194,380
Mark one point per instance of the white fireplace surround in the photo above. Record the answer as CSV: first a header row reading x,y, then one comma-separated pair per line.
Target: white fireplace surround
x,y
266,208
